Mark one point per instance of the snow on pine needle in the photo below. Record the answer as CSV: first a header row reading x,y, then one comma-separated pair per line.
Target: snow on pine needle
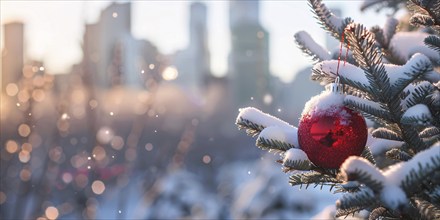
x,y
405,44
254,121
273,133
417,114
402,179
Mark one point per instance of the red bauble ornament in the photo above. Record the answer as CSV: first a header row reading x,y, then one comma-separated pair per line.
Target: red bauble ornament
x,y
329,132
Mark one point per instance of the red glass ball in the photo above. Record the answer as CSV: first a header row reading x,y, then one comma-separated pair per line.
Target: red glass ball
x,y
330,137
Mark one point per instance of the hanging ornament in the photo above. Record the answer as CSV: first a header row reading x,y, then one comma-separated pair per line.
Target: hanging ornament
x,y
328,131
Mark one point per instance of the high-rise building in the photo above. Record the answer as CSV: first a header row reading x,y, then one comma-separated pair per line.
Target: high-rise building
x,y
12,54
249,57
193,63
111,54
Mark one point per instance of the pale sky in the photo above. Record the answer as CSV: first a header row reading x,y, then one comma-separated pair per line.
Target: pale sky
x,y
54,29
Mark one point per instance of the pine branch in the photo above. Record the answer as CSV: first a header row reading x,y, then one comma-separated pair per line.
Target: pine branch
x,y
417,115
422,20
355,201
434,196
427,210
378,213
254,121
426,8
349,74
397,154
368,107
329,22
350,186
277,139
385,133
306,43
433,42
420,168
252,129
361,170
412,138
379,145
296,159
417,66
347,212
312,177
302,165
368,155
429,132
379,35
389,30
378,5
369,58
416,94
272,145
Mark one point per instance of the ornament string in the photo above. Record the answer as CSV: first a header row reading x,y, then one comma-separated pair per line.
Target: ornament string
x,y
340,52
340,87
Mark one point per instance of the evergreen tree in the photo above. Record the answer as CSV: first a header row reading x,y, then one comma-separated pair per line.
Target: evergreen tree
x,y
392,78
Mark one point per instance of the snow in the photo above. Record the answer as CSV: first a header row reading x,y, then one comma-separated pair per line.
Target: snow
x,y
378,145
432,76
328,102
328,213
259,196
392,194
256,116
411,90
289,136
335,21
405,44
354,164
347,71
305,39
366,102
396,72
294,154
418,111
397,173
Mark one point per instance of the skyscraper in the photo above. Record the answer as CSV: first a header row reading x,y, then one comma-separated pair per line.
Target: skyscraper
x,y
249,57
12,54
193,63
111,55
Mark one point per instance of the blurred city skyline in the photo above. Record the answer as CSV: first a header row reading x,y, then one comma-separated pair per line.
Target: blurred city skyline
x,y
49,40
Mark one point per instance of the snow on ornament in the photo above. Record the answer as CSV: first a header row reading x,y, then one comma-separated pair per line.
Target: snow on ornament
x,y
329,132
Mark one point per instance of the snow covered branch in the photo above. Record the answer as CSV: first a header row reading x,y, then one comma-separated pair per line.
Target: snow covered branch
x,y
395,185
254,121
306,43
330,22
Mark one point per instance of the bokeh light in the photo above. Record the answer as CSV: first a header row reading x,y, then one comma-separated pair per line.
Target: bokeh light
x,y
51,212
25,175
24,130
206,159
11,89
98,187
149,147
117,143
170,73
104,135
67,178
11,146
24,156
